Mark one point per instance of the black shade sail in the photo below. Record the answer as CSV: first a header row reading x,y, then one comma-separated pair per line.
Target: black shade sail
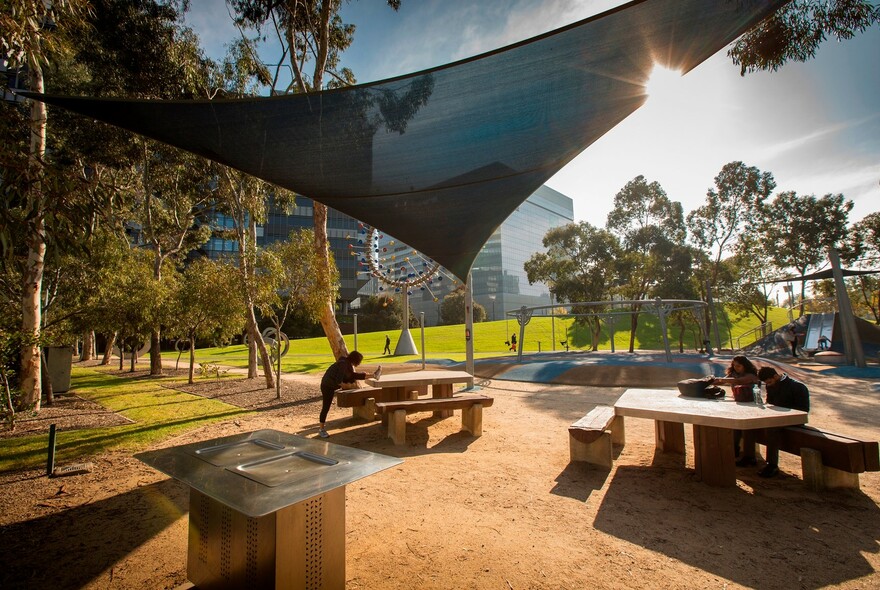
x,y
440,158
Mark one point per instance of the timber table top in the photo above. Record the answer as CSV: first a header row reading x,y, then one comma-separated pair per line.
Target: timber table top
x,y
427,377
669,406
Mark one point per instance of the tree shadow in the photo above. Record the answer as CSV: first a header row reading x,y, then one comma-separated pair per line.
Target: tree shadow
x,y
71,548
735,534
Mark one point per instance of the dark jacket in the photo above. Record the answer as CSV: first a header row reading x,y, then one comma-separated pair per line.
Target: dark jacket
x,y
789,393
338,373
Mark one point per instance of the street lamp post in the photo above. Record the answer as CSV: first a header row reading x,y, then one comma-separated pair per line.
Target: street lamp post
x,y
492,299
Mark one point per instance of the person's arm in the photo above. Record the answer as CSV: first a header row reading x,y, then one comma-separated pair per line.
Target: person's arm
x,y
351,375
747,379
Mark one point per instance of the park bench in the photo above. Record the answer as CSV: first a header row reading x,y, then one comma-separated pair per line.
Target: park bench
x,y
470,404
828,460
590,439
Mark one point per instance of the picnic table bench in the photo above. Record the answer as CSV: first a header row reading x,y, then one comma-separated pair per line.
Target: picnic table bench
x,y
828,460
591,438
470,404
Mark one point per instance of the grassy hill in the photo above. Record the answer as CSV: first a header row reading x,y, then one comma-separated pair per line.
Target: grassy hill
x,y
447,342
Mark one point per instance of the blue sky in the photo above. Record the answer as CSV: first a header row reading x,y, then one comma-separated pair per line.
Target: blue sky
x,y
815,126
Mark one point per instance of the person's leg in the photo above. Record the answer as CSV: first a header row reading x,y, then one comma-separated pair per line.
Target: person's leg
x,y
794,347
774,439
747,459
326,401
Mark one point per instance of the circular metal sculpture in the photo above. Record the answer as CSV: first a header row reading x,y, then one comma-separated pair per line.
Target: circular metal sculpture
x,y
400,273
276,345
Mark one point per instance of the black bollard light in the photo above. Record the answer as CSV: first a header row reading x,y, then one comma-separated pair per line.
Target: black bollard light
x,y
50,463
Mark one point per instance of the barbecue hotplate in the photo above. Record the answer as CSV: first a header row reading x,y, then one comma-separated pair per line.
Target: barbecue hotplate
x,y
261,472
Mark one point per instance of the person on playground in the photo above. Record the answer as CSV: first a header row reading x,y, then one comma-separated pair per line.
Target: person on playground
x,y
342,371
741,376
785,392
513,342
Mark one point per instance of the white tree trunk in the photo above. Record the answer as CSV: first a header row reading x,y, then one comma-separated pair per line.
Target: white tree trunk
x,y
36,256
328,316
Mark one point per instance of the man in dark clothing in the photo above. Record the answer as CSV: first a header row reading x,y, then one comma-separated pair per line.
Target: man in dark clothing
x,y
387,349
342,371
785,392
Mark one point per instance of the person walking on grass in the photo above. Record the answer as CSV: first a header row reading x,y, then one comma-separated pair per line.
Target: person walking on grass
x,y
387,349
342,371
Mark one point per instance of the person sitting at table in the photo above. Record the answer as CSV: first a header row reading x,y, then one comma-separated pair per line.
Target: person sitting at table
x,y
785,392
342,371
741,376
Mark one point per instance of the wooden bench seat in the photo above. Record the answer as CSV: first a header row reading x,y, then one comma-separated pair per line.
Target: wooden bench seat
x,y
828,460
592,437
352,398
470,404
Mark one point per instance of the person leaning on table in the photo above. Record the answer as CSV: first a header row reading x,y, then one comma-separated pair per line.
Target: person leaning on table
x,y
342,371
785,392
741,376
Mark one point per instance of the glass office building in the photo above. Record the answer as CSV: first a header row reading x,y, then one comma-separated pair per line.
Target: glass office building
x,y
499,281
278,226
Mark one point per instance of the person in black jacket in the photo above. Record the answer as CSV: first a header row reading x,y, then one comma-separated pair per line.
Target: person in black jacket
x,y
342,371
785,392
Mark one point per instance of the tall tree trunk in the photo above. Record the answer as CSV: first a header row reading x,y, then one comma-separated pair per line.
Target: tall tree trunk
x,y
155,336
33,272
155,353
257,339
88,346
328,315
192,357
633,326
108,349
48,392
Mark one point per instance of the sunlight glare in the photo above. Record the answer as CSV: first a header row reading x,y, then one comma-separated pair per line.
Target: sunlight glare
x,y
663,84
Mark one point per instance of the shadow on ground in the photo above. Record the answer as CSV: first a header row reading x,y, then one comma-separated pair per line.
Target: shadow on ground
x,y
52,551
737,527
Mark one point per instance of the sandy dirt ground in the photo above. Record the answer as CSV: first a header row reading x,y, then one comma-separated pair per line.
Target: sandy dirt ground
x,y
503,511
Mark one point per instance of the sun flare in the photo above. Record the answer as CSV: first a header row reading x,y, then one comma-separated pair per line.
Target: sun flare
x,y
663,84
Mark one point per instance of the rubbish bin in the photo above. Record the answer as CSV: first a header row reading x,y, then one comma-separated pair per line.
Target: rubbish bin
x,y
58,362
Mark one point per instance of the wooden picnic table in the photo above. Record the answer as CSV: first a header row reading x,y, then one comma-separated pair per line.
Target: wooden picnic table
x,y
399,386
714,421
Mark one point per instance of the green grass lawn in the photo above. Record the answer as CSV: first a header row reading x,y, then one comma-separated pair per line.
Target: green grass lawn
x,y
157,412
310,355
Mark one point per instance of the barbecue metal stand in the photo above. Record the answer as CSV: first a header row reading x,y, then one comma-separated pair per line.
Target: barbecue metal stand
x,y
267,508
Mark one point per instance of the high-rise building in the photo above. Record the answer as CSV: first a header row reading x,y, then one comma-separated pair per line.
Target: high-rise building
x,y
499,280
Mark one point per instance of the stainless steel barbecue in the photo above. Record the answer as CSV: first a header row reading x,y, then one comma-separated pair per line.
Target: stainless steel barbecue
x,y
267,508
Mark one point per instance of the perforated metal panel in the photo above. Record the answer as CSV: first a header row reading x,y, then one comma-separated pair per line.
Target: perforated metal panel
x,y
314,554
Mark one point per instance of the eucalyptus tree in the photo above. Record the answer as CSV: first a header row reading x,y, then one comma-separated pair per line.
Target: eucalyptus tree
x,y
295,278
578,265
452,309
795,32
751,269
647,222
132,301
732,209
204,307
378,313
312,36
863,252
797,231
33,32
170,188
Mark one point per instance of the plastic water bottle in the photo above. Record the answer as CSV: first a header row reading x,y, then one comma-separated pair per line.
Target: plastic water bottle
x,y
760,391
